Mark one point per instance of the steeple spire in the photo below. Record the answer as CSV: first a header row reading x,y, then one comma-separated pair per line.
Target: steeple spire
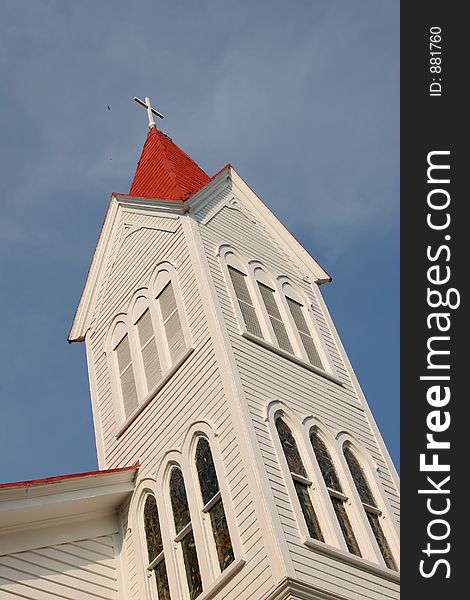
x,y
164,170
150,111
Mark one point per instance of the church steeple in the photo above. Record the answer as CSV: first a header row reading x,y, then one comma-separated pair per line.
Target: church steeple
x,y
164,171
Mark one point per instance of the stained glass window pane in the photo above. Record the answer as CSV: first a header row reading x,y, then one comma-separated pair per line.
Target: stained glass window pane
x,y
206,470
345,525
359,478
222,539
381,540
290,448
191,564
179,500
161,578
153,533
324,461
313,525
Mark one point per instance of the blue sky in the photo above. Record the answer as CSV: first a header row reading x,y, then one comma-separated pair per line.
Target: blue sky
x,y
301,97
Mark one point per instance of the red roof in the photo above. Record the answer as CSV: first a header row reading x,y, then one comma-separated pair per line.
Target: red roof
x,y
69,476
165,171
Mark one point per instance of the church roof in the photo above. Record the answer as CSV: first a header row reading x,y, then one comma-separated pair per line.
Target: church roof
x,y
56,478
164,171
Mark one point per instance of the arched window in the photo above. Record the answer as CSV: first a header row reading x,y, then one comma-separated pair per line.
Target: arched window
x,y
171,321
297,310
184,532
153,536
213,504
268,294
123,361
335,491
299,478
147,343
370,506
239,278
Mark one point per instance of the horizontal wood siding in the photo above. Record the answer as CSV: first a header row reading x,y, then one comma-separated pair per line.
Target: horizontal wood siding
x,y
81,570
194,393
267,376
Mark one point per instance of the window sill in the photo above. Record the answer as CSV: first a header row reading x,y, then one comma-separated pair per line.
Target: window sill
x,y
222,579
291,357
151,395
356,561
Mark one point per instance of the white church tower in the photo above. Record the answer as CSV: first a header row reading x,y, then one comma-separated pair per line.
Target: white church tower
x,y
217,376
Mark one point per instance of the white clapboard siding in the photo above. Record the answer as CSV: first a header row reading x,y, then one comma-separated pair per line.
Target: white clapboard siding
x,y
266,376
195,392
80,570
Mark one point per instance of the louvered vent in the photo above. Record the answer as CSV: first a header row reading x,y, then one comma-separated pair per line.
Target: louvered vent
x,y
172,322
272,308
126,376
296,310
148,348
244,301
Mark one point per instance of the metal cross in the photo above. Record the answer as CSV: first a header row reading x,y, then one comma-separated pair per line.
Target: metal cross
x,y
150,111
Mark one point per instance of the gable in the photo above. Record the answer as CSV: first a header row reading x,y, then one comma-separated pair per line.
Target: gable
x,y
126,215
228,191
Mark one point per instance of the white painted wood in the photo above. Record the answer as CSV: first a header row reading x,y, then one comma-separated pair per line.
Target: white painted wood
x,y
84,569
196,391
266,375
224,384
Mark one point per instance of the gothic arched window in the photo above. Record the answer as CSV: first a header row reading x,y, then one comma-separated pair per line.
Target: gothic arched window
x,y
213,504
269,294
153,536
297,311
239,278
335,491
171,321
299,478
147,343
373,513
184,532
125,369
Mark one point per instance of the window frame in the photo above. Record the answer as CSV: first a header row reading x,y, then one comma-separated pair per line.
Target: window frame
x,y
382,510
177,537
287,289
261,276
334,544
276,410
164,274
139,305
162,555
310,425
125,323
255,271
118,330
148,587
204,509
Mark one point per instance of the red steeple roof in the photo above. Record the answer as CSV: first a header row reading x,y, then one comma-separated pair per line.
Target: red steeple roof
x,y
165,171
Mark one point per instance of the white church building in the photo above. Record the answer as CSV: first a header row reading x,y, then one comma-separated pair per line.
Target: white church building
x,y
238,457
